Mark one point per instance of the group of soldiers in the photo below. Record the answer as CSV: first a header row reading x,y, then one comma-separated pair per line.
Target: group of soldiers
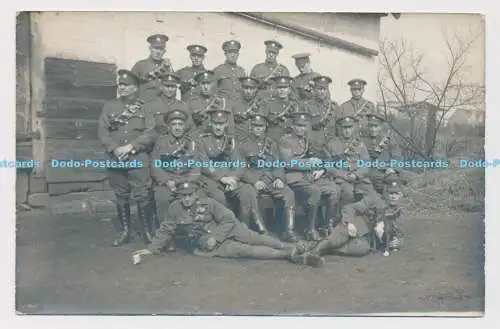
x,y
225,116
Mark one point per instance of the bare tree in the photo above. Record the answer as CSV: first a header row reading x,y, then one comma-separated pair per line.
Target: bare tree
x,y
403,80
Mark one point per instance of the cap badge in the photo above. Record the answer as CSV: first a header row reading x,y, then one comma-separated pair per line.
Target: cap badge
x,y
347,119
394,184
196,48
302,117
186,185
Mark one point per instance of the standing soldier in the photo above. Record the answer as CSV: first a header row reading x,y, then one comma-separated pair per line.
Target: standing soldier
x,y
149,70
207,101
280,109
304,81
214,231
222,181
303,170
188,73
382,147
266,71
246,106
357,104
126,131
229,73
366,224
257,147
348,148
322,109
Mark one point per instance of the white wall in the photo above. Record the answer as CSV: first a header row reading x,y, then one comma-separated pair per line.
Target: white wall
x,y
119,37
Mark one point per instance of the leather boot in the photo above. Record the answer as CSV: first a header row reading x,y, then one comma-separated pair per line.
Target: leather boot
x,y
259,221
308,259
144,213
312,216
155,222
330,218
244,217
290,235
124,219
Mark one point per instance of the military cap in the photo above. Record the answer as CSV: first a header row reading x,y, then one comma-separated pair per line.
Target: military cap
x,y
374,118
322,80
346,121
174,114
197,49
301,56
127,77
231,45
273,45
357,83
170,79
157,40
283,81
393,185
207,76
186,187
249,82
258,119
301,117
219,116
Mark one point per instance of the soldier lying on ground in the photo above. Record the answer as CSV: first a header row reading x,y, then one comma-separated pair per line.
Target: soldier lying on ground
x,y
214,231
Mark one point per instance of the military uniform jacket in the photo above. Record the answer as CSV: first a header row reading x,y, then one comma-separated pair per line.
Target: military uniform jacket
x,y
241,106
203,105
352,106
188,84
229,75
223,150
138,130
149,89
266,71
292,147
356,213
266,149
168,145
278,112
207,218
302,81
323,116
336,147
387,145
161,106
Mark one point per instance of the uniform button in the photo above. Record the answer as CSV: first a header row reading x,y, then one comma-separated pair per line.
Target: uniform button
x,y
125,141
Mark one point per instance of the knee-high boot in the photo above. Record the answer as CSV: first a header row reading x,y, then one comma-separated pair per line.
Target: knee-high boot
x,y
290,235
259,221
312,215
145,218
124,219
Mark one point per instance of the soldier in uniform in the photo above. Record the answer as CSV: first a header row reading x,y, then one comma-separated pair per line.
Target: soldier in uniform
x,y
366,224
245,106
126,131
208,100
267,180
229,73
188,73
357,104
279,109
349,148
304,84
264,72
322,109
149,70
223,182
214,231
304,177
382,147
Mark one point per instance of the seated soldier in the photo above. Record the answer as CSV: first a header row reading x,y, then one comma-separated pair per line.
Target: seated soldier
x,y
257,147
221,178
214,231
366,223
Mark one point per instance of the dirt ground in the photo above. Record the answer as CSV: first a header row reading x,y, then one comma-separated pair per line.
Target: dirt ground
x,y
65,266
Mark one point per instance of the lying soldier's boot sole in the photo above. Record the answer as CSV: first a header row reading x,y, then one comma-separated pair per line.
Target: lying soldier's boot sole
x,y
313,260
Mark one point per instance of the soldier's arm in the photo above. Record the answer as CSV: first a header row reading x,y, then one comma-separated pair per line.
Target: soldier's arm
x,y
254,73
103,132
335,156
235,156
148,136
350,211
225,219
165,233
137,70
210,172
285,71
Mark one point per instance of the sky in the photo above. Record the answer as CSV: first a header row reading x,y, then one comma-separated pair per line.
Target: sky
x,y
425,32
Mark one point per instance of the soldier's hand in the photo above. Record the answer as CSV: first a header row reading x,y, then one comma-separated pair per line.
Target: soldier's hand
x,y
207,243
278,183
379,229
127,148
352,231
171,185
259,185
389,171
317,174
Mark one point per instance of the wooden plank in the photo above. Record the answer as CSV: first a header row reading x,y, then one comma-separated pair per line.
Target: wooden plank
x,y
72,187
68,108
86,73
71,129
74,90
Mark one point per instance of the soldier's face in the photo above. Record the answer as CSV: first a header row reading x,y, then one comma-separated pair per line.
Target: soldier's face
x,y
218,129
157,53
188,200
249,92
347,132
357,92
300,129
125,90
394,197
232,56
283,92
170,90
271,55
258,130
374,130
177,127
197,60
321,92
207,88
303,66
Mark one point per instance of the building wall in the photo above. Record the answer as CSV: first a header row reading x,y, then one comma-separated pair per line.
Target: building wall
x,y
119,37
